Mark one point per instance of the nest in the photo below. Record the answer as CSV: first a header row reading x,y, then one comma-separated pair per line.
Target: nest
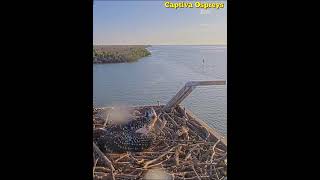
x,y
183,149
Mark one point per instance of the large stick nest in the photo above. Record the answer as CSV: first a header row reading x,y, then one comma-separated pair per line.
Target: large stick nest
x,y
183,149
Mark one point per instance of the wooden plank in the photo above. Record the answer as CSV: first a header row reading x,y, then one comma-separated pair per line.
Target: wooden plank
x,y
178,98
182,97
211,130
186,90
205,83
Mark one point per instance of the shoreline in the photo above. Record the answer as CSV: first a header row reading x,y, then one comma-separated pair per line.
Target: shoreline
x,y
111,54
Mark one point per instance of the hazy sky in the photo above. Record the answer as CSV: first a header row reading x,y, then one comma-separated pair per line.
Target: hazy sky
x,y
149,22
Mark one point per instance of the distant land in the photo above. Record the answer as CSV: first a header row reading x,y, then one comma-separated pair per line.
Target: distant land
x,y
103,54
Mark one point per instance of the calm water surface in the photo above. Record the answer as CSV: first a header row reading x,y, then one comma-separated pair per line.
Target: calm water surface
x,y
160,76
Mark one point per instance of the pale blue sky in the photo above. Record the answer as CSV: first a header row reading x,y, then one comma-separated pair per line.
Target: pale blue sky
x,y
149,22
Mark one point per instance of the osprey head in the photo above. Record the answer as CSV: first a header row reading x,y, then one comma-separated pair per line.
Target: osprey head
x,y
151,116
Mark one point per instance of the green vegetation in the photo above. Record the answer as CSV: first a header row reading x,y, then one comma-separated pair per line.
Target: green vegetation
x,y
118,54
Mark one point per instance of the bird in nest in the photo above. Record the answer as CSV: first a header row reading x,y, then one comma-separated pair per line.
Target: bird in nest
x,y
134,136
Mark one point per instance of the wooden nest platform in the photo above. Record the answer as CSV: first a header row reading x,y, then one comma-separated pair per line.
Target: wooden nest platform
x,y
185,148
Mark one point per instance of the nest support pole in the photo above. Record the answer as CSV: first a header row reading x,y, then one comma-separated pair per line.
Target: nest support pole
x,y
186,90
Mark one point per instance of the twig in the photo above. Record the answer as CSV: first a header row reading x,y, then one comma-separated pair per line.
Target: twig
x,y
134,159
121,157
214,152
126,176
159,157
154,165
189,154
214,167
105,159
172,120
196,172
102,169
177,155
95,164
148,152
100,174
192,178
164,122
221,158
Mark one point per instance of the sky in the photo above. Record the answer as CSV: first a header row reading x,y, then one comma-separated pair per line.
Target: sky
x,y
150,23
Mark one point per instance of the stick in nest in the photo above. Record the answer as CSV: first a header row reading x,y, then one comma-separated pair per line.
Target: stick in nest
x,y
196,172
163,124
172,120
134,159
216,173
221,158
160,163
213,151
126,176
121,157
189,154
177,155
95,164
159,157
105,159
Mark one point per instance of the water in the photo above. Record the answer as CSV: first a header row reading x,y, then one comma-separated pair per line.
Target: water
x,y
160,76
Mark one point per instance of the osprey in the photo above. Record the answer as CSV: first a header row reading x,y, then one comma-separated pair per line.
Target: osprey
x,y
135,136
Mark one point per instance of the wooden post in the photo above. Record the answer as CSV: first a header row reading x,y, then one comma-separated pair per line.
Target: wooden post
x,y
186,90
